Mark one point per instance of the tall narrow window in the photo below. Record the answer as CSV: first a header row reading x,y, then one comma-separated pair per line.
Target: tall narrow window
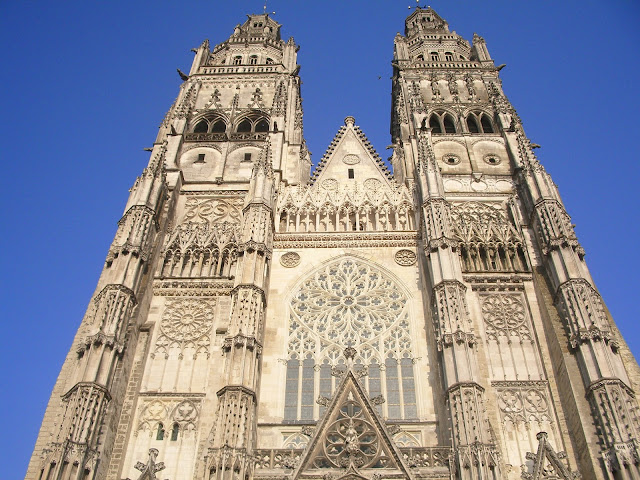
x,y
472,125
160,432
174,432
434,124
486,124
434,56
253,60
448,56
449,125
237,60
351,173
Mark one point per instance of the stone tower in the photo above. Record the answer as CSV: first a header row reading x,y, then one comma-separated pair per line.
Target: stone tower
x,y
253,321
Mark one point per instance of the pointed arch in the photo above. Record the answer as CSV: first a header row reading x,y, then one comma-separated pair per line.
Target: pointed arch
x,y
472,124
434,124
449,124
487,125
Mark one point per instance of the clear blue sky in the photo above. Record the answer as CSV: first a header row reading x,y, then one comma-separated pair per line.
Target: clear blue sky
x,y
86,84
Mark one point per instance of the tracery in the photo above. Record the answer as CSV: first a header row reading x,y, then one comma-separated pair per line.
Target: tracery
x,y
349,304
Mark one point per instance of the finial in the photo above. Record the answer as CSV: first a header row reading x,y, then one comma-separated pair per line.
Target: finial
x,y
418,7
264,9
349,121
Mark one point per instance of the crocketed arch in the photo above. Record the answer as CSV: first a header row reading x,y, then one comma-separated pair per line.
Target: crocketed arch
x,y
349,303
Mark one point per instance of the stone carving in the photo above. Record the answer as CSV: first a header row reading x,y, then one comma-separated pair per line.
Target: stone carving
x,y
351,159
504,316
295,441
547,464
330,184
351,439
369,206
349,304
213,210
487,239
149,470
290,260
168,411
405,258
523,402
186,323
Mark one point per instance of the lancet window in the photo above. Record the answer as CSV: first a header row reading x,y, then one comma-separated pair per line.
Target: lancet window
x,y
441,122
253,124
214,125
349,304
479,122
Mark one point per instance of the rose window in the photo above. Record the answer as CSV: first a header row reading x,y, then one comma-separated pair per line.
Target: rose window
x,y
349,304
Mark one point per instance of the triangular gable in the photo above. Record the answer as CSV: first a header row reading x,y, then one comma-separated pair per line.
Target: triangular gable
x,y
547,463
351,438
351,150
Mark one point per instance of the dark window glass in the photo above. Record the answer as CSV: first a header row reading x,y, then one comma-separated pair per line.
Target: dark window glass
x,y
351,173
291,391
174,432
449,125
245,126
486,124
201,127
434,124
200,158
247,157
472,125
237,60
262,126
219,127
160,433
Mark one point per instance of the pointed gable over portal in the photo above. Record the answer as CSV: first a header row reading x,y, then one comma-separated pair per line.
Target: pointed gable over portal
x,y
351,158
351,441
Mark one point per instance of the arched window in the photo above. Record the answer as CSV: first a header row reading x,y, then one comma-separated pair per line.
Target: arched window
x,y
349,304
269,61
420,58
160,432
472,124
262,126
487,127
244,126
201,127
434,56
448,56
434,124
253,60
174,432
237,60
449,124
219,126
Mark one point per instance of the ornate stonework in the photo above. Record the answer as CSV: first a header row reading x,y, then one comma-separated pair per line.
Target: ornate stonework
x,y
256,319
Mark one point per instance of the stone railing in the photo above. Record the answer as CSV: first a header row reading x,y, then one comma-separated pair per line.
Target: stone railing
x,y
205,137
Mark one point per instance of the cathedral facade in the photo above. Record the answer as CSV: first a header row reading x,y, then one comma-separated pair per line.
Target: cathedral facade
x,y
254,320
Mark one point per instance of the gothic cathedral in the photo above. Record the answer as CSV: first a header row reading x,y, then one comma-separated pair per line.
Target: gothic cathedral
x,y
254,320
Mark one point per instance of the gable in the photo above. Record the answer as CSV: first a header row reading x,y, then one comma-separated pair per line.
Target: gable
x,y
350,159
351,436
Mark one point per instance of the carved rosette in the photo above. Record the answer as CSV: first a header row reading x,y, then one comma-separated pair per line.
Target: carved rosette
x,y
186,323
504,316
404,257
290,260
